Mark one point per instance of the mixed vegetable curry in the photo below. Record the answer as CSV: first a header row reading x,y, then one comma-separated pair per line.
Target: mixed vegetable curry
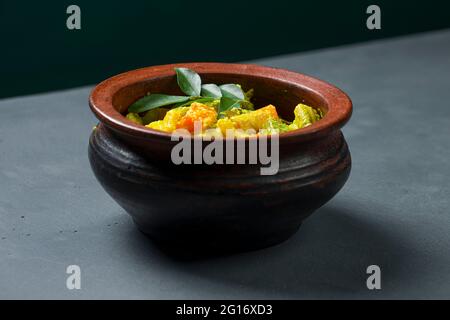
x,y
217,110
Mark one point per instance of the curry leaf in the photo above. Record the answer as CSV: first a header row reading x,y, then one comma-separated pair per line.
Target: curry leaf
x,y
228,103
211,90
153,101
188,81
232,91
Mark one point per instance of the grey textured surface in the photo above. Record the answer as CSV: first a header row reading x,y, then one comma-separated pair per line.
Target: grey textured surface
x,y
393,212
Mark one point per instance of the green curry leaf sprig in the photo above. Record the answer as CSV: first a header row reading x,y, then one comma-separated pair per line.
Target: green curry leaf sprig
x,y
230,95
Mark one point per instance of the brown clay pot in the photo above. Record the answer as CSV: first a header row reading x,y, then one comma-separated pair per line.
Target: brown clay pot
x,y
219,208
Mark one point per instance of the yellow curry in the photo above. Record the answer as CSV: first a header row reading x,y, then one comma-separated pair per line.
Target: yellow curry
x,y
210,109
262,121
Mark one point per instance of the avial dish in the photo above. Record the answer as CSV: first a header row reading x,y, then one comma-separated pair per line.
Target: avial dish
x,y
214,110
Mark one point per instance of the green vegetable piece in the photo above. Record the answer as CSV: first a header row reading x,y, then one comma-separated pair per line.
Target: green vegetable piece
x,y
134,117
154,115
247,105
305,116
276,126
293,126
249,94
189,81
153,101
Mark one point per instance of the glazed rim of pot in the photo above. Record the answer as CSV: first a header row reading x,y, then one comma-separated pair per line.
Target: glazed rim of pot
x,y
336,104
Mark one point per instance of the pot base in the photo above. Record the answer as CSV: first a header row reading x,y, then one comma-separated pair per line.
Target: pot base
x,y
219,209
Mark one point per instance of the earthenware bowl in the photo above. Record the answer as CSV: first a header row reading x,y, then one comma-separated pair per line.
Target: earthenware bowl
x,y
228,207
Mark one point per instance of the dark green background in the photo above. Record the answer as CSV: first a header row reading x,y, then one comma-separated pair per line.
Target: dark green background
x,y
38,53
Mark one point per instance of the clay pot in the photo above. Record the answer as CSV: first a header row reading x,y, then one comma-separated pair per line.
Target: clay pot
x,y
219,208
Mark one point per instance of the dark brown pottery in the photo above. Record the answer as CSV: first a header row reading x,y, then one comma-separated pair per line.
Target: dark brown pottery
x,y
219,208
